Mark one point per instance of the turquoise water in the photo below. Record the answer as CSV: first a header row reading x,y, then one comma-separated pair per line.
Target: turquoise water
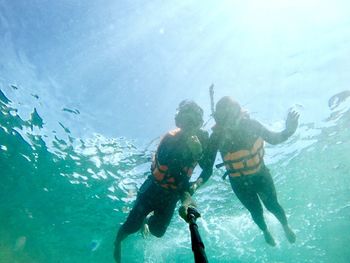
x,y
62,198
85,87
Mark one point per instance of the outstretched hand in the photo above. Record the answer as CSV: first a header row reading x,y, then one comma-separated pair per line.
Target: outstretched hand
x,y
292,121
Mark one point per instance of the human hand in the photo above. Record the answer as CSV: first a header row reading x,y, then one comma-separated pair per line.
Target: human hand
x,y
292,121
186,202
195,147
194,186
183,212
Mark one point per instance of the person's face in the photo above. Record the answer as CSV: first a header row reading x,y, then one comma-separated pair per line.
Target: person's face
x,y
192,121
229,118
233,122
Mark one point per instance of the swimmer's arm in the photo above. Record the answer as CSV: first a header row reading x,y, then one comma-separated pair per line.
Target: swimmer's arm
x,y
207,162
279,137
186,202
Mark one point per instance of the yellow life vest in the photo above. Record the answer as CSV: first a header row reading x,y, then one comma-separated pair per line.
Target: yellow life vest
x,y
244,162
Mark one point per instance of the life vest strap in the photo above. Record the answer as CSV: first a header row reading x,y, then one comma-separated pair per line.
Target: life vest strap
x,y
247,157
242,172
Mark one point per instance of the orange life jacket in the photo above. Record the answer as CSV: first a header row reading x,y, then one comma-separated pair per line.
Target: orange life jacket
x,y
244,162
161,172
164,178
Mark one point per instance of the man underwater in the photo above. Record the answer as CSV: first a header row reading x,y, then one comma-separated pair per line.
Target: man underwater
x,y
177,155
240,141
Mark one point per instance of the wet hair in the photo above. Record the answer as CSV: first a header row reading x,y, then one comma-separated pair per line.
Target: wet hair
x,y
226,107
189,115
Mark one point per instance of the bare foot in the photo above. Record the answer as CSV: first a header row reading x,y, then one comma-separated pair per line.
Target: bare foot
x,y
290,235
269,239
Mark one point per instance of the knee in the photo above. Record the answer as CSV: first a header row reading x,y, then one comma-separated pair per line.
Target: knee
x,y
258,218
130,227
257,214
158,230
256,211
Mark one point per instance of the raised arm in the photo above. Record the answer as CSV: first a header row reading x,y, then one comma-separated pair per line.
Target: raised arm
x,y
278,137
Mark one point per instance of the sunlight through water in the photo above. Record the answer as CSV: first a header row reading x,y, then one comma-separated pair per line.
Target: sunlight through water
x,y
88,88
